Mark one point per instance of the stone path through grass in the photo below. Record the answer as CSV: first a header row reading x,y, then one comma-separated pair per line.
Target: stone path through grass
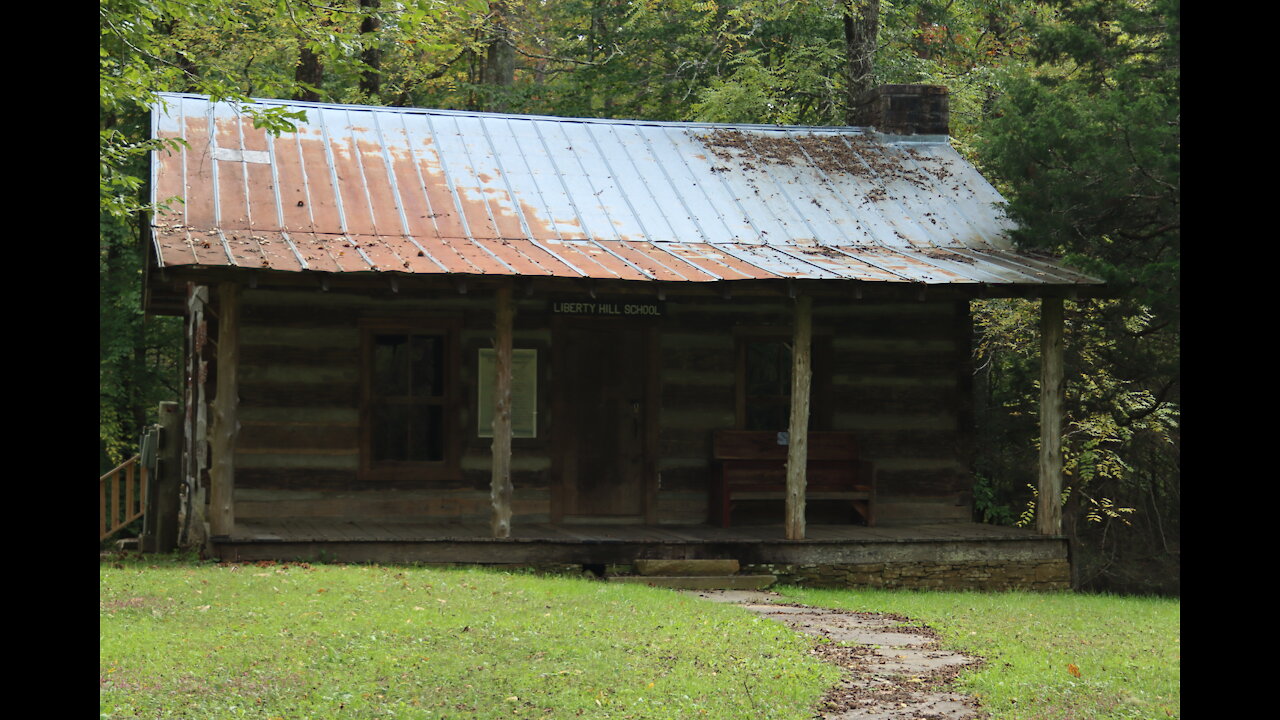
x,y
892,671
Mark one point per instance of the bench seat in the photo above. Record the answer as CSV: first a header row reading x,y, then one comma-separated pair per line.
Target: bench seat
x,y
753,466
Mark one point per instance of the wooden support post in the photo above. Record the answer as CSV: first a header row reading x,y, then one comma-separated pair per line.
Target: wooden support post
x,y
222,514
500,484
798,447
168,479
1049,507
126,509
102,509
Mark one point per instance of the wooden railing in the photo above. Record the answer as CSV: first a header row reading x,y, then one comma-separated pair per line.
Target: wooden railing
x,y
121,499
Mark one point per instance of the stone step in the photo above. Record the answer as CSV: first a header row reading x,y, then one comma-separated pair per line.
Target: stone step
x,y
702,582
687,568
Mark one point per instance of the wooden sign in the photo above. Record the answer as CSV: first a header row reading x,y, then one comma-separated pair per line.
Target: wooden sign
x,y
605,307
524,393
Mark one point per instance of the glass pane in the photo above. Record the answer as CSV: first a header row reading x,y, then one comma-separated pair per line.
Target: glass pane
x,y
768,368
390,433
426,438
427,366
768,415
391,365
408,433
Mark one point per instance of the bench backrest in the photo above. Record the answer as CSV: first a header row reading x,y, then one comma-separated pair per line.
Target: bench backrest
x,y
763,445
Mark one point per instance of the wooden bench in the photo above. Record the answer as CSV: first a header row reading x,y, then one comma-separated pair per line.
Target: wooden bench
x,y
753,466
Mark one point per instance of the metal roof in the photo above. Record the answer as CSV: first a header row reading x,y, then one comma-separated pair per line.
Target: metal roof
x,y
360,189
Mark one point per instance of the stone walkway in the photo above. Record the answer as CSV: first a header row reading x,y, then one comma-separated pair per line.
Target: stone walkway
x,y
891,672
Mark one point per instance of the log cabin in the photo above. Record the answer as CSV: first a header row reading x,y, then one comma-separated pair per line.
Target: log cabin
x,y
421,335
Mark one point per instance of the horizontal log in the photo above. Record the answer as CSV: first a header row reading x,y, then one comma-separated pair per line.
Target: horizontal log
x,y
689,479
298,436
299,395
900,399
676,397
295,479
699,359
895,512
310,461
300,356
288,374
323,337
685,446
455,504
924,483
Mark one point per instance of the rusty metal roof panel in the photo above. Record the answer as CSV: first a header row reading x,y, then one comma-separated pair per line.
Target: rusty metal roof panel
x,y
369,189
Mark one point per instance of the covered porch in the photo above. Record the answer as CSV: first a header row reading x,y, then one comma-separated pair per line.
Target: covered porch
x,y
943,555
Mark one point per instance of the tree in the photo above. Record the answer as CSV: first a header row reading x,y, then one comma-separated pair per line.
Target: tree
x,y
861,31
1087,147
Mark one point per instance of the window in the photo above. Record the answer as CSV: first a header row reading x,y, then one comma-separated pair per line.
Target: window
x,y
407,398
766,384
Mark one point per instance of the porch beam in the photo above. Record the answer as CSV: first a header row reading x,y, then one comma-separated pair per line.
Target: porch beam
x,y
1048,508
500,483
798,432
226,426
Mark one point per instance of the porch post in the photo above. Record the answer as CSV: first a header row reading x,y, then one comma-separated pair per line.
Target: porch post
x,y
1048,508
500,484
168,480
226,427
798,447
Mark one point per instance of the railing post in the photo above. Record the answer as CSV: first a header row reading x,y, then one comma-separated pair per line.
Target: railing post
x,y
161,465
114,502
102,509
168,478
130,479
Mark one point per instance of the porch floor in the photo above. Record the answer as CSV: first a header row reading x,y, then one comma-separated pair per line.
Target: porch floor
x,y
401,541
300,529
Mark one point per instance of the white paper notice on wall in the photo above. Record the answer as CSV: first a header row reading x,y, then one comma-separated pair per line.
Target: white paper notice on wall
x,y
524,392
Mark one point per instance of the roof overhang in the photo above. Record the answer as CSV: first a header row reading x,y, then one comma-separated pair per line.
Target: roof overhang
x,y
358,190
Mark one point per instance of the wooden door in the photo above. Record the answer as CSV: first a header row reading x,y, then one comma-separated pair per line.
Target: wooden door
x,y
599,380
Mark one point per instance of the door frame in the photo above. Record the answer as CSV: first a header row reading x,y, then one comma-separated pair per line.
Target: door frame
x,y
649,337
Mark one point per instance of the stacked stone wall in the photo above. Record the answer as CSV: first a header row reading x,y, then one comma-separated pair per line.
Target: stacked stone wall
x,y
1040,575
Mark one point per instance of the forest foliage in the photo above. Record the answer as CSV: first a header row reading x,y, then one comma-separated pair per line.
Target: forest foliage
x,y
1071,107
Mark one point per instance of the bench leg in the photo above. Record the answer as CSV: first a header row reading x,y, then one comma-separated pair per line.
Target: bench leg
x,y
723,498
864,510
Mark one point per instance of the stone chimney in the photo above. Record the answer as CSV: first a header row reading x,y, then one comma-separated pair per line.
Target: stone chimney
x,y
910,110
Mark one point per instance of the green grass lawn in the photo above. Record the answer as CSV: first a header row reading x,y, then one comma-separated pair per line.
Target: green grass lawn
x,y
186,640
1049,656
295,641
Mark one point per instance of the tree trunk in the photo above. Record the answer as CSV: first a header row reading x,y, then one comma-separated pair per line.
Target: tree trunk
x,y
310,72
500,483
371,56
798,430
861,26
500,57
1048,504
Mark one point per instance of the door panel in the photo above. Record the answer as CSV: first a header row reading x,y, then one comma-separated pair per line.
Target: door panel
x,y
600,371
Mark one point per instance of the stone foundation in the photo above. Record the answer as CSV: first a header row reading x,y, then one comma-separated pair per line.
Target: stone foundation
x,y
920,575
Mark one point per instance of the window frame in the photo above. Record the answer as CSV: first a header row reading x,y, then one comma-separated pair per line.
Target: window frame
x,y
448,468
820,357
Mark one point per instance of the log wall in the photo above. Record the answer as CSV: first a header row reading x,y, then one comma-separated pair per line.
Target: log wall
x,y
299,449
897,374
894,372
